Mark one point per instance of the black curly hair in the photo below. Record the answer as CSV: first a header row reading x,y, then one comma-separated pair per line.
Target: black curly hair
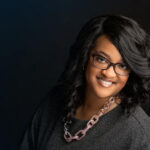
x,y
133,44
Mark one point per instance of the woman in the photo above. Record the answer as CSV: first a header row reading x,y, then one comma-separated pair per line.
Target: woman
x,y
96,104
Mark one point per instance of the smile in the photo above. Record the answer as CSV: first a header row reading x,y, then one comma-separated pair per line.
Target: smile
x,y
105,83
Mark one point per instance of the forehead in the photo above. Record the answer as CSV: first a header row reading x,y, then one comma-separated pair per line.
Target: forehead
x,y
104,46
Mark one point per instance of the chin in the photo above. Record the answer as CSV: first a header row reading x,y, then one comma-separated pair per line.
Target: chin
x,y
103,96
104,92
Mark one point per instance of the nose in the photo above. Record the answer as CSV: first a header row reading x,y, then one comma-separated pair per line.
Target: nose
x,y
110,72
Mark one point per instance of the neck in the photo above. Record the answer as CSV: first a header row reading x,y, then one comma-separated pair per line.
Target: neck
x,y
92,105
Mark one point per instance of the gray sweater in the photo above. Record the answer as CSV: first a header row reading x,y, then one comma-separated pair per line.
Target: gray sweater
x,y
113,131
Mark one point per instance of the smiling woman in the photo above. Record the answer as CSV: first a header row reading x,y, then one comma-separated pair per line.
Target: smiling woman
x,y
97,102
102,79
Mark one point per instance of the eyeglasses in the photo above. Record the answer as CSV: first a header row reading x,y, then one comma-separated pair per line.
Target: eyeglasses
x,y
104,64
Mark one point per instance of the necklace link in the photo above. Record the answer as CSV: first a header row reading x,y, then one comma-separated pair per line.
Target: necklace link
x,y
94,119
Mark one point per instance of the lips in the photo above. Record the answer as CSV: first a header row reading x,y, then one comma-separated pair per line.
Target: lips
x,y
105,83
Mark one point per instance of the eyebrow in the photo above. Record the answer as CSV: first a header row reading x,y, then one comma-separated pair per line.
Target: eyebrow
x,y
101,52
106,55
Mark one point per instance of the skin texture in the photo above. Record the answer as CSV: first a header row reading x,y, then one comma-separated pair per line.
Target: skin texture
x,y
96,94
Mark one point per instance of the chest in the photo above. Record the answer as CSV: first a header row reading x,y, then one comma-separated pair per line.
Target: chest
x,y
101,137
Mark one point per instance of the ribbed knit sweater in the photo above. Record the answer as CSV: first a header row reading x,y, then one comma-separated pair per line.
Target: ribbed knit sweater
x,y
113,131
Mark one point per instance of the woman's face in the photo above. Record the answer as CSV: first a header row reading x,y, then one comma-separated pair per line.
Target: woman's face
x,y
104,83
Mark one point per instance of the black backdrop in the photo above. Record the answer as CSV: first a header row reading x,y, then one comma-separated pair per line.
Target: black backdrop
x,y
35,39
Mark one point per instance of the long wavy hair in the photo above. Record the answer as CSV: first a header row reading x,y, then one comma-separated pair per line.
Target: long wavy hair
x,y
133,44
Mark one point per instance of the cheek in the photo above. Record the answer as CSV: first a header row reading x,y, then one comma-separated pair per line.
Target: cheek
x,y
123,81
90,73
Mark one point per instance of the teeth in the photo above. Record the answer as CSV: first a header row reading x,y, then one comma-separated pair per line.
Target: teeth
x,y
105,83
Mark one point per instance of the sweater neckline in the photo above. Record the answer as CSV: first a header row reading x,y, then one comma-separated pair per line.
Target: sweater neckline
x,y
108,114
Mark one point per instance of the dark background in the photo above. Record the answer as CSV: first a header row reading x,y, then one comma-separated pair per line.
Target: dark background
x,y
35,39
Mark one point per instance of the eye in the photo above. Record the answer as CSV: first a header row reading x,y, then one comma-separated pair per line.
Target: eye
x,y
100,59
123,66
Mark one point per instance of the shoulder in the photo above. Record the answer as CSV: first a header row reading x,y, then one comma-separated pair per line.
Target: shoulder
x,y
141,121
137,127
43,120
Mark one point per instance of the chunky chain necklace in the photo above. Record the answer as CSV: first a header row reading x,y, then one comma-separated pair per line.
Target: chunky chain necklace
x,y
94,119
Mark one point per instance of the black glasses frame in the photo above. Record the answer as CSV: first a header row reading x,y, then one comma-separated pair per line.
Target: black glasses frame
x,y
109,65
